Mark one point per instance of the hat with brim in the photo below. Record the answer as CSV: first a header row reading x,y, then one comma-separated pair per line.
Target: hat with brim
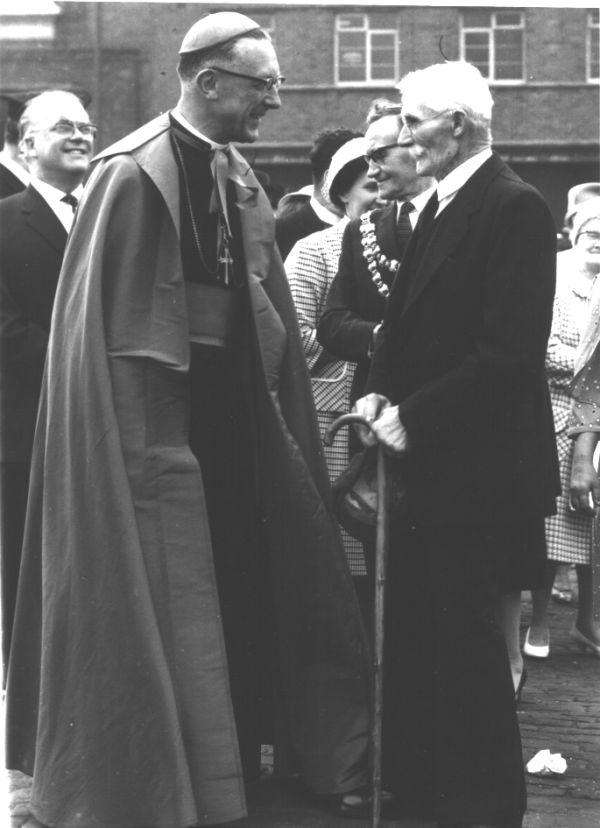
x,y
578,195
587,211
350,151
215,30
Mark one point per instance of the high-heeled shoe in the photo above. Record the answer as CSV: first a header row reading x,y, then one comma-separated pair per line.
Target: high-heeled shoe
x,y
520,686
535,650
585,644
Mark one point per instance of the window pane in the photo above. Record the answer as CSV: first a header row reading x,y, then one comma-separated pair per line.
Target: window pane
x,y
477,51
383,72
476,19
351,21
477,39
352,40
382,41
509,54
508,19
594,17
352,57
348,74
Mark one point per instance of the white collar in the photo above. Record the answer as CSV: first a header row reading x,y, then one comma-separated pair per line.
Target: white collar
x,y
14,167
52,194
450,185
419,201
53,198
185,123
323,213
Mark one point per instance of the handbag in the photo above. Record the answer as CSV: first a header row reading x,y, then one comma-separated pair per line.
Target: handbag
x,y
355,494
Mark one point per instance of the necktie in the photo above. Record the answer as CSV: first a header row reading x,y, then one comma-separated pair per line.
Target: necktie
x,y
427,217
403,226
70,199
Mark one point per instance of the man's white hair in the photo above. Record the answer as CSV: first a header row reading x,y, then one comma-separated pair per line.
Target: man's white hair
x,y
452,85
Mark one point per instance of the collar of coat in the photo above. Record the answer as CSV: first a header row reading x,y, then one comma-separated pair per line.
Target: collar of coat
x,y
150,146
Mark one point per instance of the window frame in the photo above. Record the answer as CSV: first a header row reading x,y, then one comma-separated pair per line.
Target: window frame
x,y
490,29
369,32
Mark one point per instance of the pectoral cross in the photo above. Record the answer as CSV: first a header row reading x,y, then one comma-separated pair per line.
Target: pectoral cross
x,y
224,258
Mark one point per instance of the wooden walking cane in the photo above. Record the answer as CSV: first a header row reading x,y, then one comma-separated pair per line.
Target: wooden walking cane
x,y
381,551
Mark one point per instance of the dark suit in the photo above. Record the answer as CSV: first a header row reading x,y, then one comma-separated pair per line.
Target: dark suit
x,y
462,354
297,225
31,250
10,184
354,305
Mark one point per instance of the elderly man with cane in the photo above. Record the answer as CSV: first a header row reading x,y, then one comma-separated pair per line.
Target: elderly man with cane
x,y
457,393
184,594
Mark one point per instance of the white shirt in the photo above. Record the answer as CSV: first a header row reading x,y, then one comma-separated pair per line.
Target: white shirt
x,y
448,187
52,196
418,202
15,168
185,123
323,213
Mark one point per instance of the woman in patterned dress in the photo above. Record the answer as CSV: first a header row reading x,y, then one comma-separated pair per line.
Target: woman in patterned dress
x,y
569,532
310,266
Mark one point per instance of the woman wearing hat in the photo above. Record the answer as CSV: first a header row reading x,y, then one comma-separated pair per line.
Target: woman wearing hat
x,y
572,340
311,266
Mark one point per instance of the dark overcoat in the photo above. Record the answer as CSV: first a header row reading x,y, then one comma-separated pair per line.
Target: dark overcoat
x,y
118,690
462,351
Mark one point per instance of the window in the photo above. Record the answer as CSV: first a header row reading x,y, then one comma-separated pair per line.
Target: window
x,y
593,29
493,42
366,48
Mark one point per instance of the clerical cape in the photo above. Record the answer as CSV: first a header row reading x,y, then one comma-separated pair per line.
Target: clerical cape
x,y
118,696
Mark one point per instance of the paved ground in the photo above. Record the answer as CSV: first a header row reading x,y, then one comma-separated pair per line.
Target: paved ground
x,y
560,710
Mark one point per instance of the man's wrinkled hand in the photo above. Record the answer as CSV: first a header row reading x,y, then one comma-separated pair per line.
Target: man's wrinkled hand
x,y
369,407
390,431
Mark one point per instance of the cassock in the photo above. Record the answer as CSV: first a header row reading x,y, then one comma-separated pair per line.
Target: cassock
x,y
178,511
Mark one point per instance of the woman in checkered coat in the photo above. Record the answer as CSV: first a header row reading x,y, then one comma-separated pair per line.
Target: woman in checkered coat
x,y
310,266
569,532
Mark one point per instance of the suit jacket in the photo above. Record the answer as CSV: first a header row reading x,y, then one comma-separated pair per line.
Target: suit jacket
x,y
297,225
462,353
9,183
354,305
31,250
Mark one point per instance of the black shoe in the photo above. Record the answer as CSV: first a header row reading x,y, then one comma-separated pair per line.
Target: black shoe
x,y
358,804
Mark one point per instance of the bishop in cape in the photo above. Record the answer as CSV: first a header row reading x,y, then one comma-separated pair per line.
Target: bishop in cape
x,y
184,594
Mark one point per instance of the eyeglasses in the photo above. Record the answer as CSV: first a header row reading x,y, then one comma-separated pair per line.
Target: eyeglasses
x,y
412,124
268,84
589,234
68,128
379,154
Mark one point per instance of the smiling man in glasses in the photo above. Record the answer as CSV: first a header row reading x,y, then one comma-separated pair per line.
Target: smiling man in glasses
x,y
458,394
181,552
56,143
